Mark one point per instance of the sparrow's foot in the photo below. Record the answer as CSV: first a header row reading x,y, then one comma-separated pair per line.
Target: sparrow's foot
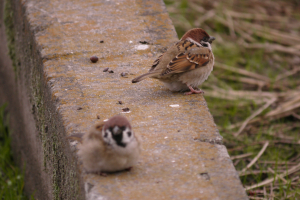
x,y
193,91
96,172
128,169
102,174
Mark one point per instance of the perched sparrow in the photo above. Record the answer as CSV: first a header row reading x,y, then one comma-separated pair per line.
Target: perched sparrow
x,y
109,147
186,65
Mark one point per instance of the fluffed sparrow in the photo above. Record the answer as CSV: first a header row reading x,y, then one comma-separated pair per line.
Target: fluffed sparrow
x,y
185,65
109,146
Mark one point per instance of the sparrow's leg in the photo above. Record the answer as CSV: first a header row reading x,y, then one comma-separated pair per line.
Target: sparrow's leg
x,y
100,173
193,91
97,172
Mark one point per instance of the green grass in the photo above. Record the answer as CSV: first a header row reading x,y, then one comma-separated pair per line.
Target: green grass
x,y
11,177
282,133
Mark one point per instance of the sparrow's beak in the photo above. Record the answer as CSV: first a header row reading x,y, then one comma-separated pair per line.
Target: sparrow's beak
x,y
211,39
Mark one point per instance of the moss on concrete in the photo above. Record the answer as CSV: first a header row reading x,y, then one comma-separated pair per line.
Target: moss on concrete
x,y
65,183
55,162
10,33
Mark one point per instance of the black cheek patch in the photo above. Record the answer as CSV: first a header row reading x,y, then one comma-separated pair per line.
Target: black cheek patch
x,y
129,133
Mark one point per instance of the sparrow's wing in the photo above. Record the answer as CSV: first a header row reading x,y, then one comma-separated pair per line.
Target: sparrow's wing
x,y
181,46
156,62
186,45
76,136
95,130
194,57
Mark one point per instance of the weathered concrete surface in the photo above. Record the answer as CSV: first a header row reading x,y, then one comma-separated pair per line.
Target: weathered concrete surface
x,y
38,134
59,92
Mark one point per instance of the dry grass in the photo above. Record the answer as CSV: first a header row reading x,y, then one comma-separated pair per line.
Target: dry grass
x,y
254,91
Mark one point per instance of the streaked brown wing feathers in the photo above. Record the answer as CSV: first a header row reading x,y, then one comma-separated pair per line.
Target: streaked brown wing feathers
x,y
192,59
185,45
156,62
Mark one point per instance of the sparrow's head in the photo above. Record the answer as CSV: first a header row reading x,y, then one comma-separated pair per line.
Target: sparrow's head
x,y
199,35
117,131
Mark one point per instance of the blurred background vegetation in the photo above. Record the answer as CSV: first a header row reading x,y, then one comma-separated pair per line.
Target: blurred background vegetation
x,y
11,177
254,90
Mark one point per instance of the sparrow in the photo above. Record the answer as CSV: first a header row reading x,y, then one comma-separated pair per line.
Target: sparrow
x,y
185,65
108,147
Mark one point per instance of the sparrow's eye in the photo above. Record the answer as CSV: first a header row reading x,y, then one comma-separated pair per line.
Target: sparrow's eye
x,y
129,133
205,39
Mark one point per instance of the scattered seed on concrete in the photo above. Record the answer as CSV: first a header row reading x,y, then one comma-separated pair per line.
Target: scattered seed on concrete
x,y
101,41
126,109
79,108
94,59
124,74
111,71
144,42
98,117
205,176
174,105
105,69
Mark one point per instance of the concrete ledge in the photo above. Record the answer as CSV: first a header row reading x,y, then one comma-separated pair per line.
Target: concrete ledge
x,y
58,91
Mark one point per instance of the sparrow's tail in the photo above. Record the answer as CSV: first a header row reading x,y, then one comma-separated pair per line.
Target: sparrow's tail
x,y
144,76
